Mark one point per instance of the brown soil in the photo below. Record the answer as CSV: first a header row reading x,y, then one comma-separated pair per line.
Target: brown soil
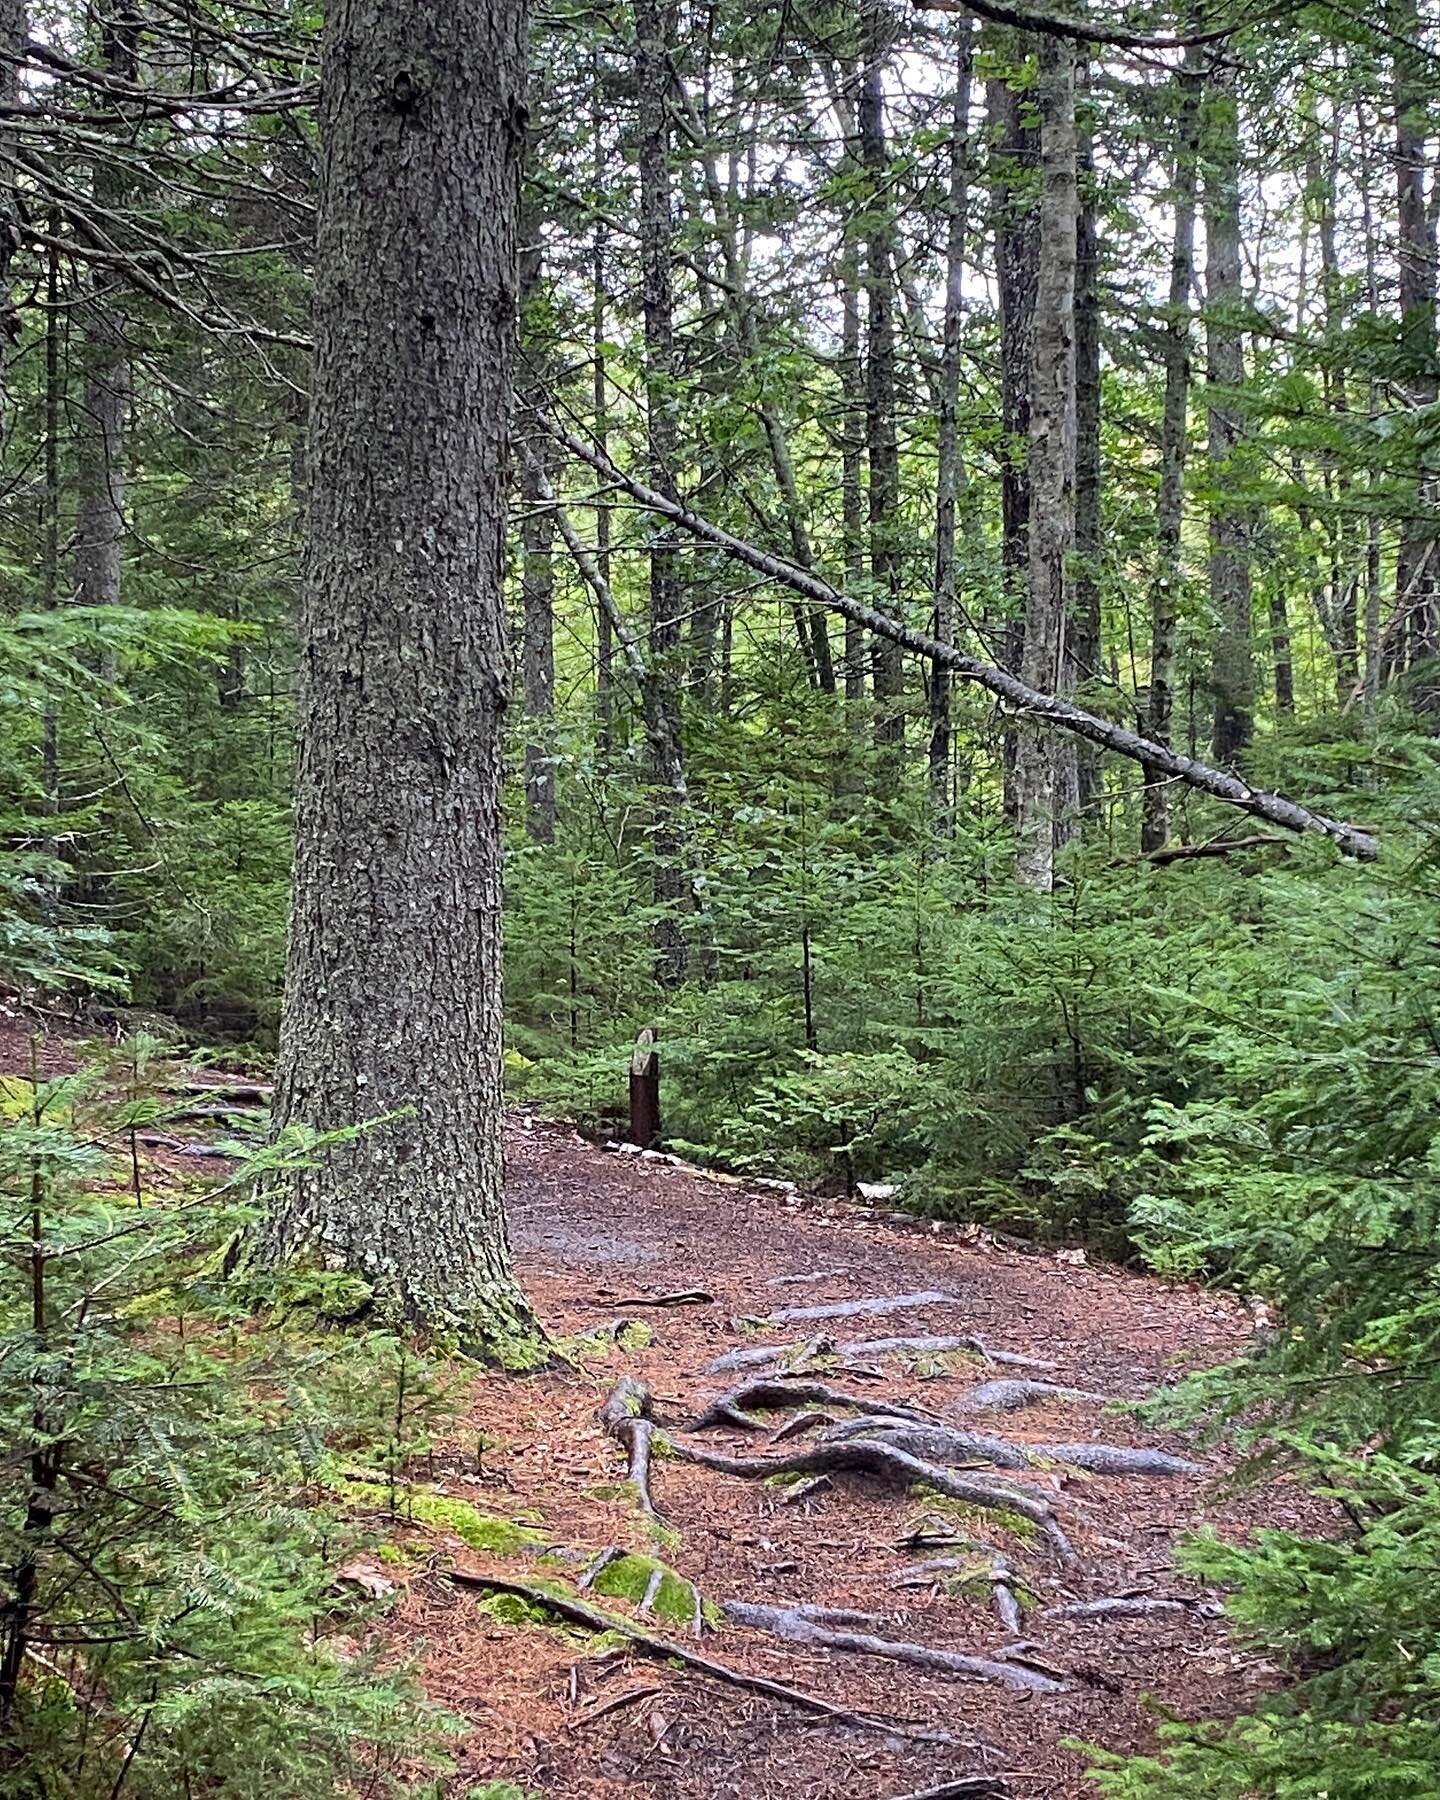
x,y
594,1228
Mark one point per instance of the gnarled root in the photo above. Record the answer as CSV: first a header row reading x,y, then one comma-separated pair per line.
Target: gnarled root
x,y
625,1416
798,1625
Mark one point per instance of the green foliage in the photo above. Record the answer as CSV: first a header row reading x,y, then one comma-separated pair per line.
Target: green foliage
x,y
167,1564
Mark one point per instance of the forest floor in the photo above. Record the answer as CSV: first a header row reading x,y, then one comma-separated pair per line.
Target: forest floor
x,y
603,1236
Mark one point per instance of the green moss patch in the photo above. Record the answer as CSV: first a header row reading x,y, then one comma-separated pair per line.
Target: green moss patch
x,y
629,1579
443,1512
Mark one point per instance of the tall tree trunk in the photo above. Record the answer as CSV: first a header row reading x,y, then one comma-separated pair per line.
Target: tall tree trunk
x,y
882,442
653,22
14,31
1417,577
1051,533
392,996
950,469
1084,657
1174,443
852,470
1232,675
599,270
537,543
1014,160
100,438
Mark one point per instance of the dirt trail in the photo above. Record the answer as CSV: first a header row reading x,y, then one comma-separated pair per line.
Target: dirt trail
x,y
594,1228
596,1233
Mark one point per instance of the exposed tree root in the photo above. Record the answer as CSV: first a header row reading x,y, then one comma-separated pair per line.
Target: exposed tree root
x,y
1123,1607
683,1297
1010,1394
963,1787
804,1280
624,1416
874,1457
758,1356
732,1408
598,1565
854,1309
945,1445
578,1613
795,1625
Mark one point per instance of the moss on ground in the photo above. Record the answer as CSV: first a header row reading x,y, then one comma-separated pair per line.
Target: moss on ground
x,y
443,1512
629,1578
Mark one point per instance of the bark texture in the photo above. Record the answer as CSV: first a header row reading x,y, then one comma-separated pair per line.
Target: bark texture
x,y
1051,535
393,1004
882,441
1174,443
950,472
1232,674
14,30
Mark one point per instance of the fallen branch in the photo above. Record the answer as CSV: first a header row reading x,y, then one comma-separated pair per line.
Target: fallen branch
x,y
628,1698
684,1297
797,1625
1049,709
1173,853
963,1787
577,1613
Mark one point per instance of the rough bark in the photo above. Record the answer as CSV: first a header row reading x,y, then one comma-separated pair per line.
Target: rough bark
x,y
852,471
1232,672
599,268
653,23
105,406
1014,159
537,581
1083,660
950,464
1174,444
392,1002
1050,538
14,30
882,442
1417,566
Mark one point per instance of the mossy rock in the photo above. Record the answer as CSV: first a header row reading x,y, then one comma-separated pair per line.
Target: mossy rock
x,y
629,1578
587,1346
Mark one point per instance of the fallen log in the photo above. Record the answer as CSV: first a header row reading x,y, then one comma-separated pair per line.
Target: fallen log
x,y
796,1625
590,1617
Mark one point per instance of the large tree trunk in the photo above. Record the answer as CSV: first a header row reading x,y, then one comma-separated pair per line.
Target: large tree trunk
x,y
392,1002
653,20
1051,533
1174,443
1417,577
1084,649
537,581
852,471
1232,675
882,442
950,469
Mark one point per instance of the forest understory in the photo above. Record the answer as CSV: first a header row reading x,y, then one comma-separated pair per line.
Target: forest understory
x,y
795,1322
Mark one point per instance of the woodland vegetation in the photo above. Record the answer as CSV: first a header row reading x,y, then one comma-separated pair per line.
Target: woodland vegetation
x,y
951,622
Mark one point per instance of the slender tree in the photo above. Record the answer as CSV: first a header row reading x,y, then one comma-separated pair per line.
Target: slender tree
x,y
392,1003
